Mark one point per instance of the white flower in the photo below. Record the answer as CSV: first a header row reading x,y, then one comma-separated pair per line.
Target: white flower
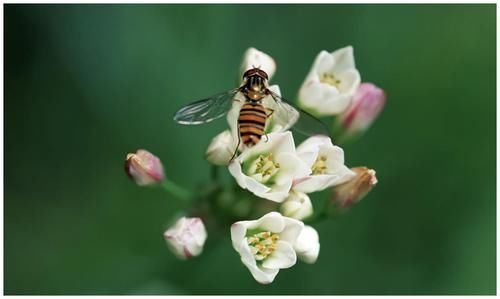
x,y
186,237
307,245
269,168
326,164
298,206
255,58
331,83
221,149
144,168
266,245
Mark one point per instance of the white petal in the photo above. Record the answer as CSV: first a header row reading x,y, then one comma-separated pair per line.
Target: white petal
x,y
277,194
291,167
272,222
292,230
350,81
344,59
323,63
255,58
238,233
263,275
260,274
315,183
236,172
255,187
307,245
246,255
313,143
309,149
334,154
323,99
308,157
283,257
336,103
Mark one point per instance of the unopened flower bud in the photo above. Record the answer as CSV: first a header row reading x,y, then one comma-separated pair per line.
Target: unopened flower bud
x,y
144,168
351,192
186,238
366,105
221,149
307,245
255,58
298,206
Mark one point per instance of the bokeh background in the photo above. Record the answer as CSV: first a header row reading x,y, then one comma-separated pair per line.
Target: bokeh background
x,y
85,84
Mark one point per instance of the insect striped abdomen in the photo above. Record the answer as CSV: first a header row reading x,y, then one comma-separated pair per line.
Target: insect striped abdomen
x,y
251,122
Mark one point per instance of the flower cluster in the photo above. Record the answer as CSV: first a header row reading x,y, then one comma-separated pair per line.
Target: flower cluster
x,y
280,172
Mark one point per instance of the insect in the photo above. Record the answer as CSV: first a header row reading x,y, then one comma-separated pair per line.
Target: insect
x,y
253,113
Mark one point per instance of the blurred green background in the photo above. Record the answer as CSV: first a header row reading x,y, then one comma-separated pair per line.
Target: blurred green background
x,y
85,84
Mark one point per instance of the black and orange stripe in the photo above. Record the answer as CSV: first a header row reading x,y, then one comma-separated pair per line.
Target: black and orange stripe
x,y
251,122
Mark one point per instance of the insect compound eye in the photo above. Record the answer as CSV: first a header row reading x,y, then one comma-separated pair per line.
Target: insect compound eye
x,y
263,74
247,74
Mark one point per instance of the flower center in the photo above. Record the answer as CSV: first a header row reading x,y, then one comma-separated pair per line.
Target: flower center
x,y
262,244
264,168
319,167
330,79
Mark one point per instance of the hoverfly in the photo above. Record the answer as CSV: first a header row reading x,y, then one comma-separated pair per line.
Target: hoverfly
x,y
253,114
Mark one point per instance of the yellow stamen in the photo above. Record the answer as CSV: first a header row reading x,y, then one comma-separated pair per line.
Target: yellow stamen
x,y
264,168
262,244
330,79
319,167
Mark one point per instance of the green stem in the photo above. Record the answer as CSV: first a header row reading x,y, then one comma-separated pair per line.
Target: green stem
x,y
214,173
176,190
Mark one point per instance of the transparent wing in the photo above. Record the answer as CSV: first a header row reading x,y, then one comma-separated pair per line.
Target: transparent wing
x,y
288,116
206,110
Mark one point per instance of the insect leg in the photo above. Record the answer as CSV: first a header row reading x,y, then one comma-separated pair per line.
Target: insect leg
x,y
237,146
268,92
271,111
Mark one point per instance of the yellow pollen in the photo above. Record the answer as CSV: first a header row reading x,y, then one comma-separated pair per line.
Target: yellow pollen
x,y
330,79
319,167
262,244
265,167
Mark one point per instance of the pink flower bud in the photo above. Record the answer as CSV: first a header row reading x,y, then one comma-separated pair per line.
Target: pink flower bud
x,y
144,168
187,237
351,192
366,105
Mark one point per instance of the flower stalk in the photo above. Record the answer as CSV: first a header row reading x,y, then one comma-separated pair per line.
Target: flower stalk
x,y
176,190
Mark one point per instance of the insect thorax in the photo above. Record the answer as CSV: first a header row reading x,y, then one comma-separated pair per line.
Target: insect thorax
x,y
255,88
